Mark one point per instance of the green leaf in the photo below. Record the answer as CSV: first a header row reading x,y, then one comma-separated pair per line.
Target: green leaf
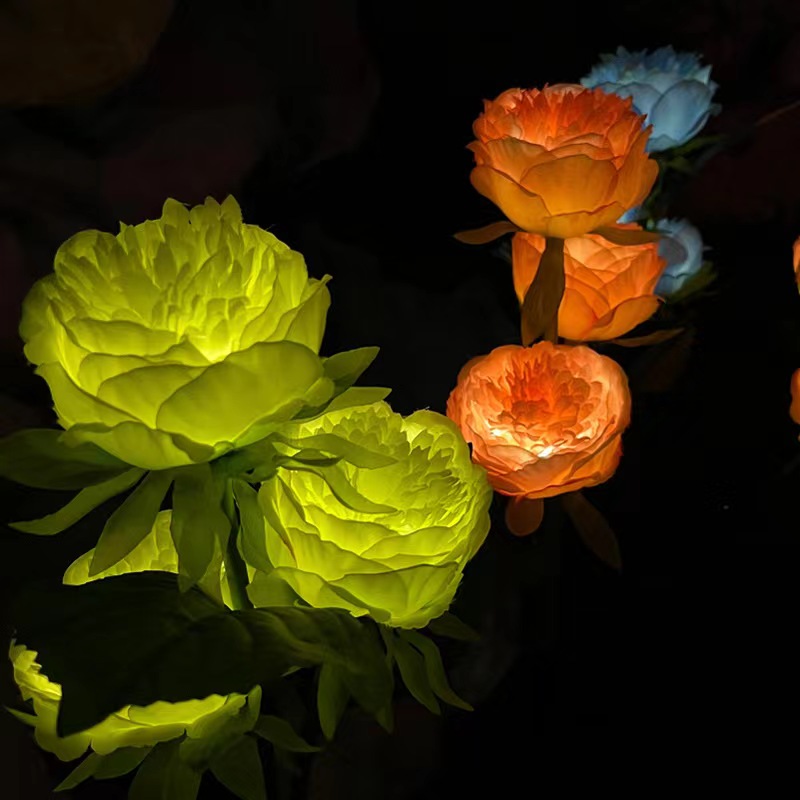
x,y
120,762
451,627
114,765
252,539
85,501
199,524
488,233
332,697
345,492
239,770
280,733
435,669
131,522
349,398
358,396
85,770
625,236
163,776
414,674
135,639
200,749
344,369
39,458
342,448
539,310
593,528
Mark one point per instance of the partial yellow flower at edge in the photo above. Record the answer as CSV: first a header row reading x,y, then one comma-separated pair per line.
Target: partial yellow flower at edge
x,y
132,726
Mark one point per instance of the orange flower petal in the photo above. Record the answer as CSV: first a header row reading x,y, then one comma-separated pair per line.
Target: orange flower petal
x,y
522,207
625,317
570,184
794,409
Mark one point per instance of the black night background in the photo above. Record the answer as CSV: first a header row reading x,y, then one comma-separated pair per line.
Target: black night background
x,y
342,127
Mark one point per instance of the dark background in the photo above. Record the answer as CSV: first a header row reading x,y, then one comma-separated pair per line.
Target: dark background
x,y
342,126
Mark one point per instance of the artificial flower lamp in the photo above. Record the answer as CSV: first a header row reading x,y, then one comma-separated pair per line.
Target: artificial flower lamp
x,y
561,161
542,420
390,541
177,339
674,90
682,246
796,259
131,726
609,288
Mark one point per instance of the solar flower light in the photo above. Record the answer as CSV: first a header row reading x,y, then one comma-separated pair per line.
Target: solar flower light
x,y
275,516
564,164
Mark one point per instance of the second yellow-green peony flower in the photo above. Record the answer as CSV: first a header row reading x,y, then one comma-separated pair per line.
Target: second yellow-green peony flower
x,y
178,339
397,554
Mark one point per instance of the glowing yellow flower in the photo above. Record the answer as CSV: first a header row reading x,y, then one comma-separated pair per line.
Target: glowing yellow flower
x,y
395,549
179,339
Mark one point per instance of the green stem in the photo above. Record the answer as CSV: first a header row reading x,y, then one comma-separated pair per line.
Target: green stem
x,y
235,568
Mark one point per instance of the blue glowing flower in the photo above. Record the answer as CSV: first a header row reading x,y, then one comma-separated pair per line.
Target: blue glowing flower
x,y
682,247
673,89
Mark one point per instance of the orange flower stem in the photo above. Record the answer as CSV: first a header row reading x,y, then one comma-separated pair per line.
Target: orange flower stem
x,y
557,245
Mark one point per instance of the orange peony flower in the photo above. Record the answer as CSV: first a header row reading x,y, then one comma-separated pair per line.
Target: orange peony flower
x,y
562,161
609,287
542,420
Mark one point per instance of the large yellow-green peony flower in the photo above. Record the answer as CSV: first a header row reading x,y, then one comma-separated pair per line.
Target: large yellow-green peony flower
x,y
178,339
132,726
400,556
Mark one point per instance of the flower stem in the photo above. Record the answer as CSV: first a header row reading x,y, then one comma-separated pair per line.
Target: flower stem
x,y
556,247
235,568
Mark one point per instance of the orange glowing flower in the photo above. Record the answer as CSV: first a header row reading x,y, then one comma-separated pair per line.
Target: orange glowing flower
x,y
609,287
796,258
794,409
562,161
542,420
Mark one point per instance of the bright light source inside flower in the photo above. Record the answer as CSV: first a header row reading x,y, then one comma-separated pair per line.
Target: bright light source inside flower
x,y
542,420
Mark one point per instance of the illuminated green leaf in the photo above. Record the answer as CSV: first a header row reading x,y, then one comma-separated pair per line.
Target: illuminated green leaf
x,y
164,776
350,398
85,501
82,772
435,669
344,369
199,524
337,446
39,458
332,697
239,770
131,522
252,540
413,672
206,742
280,733
345,492
135,639
451,627
114,765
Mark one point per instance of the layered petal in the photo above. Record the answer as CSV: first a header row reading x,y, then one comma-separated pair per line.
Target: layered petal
x,y
542,420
